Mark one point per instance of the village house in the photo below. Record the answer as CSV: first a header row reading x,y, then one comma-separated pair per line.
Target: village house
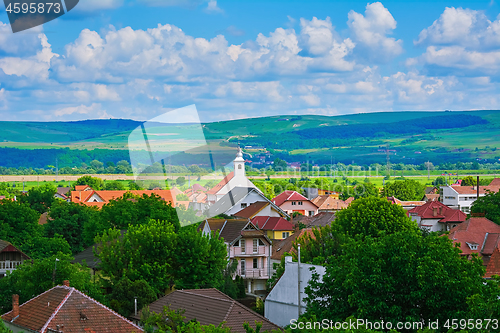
x,y
261,208
292,201
210,307
327,203
248,245
477,235
236,178
65,309
434,216
85,195
10,258
275,227
313,192
407,205
462,197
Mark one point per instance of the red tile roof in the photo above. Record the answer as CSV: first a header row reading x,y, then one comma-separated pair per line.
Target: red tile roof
x,y
210,306
272,223
474,231
82,187
443,212
349,200
106,196
493,267
221,184
67,306
288,196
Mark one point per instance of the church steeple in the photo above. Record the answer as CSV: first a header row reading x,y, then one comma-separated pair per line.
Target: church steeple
x,y
239,164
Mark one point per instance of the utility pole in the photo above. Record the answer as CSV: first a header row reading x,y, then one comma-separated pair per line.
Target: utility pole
x,y
388,161
298,278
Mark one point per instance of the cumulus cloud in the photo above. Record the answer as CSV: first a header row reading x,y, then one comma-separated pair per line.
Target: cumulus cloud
x,y
370,32
212,7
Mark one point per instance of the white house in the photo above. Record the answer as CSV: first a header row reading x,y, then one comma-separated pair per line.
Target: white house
x,y
462,197
10,258
282,303
236,178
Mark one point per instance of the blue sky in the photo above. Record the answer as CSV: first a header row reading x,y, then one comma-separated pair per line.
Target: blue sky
x,y
137,59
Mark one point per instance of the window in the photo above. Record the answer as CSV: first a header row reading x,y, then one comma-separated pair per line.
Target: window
x,y
237,243
243,205
311,213
242,266
255,245
239,166
255,263
300,203
285,235
261,243
243,246
293,203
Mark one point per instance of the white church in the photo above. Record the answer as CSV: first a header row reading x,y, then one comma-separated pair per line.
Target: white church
x,y
236,178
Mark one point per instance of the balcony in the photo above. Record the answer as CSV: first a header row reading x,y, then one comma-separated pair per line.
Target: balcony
x,y
249,252
256,273
9,265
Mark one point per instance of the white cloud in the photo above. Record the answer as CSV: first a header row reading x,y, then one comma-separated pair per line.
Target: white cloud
x,y
370,32
212,7
93,111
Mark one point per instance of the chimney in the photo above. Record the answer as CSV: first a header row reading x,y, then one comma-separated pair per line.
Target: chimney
x,y
15,306
435,211
66,283
477,188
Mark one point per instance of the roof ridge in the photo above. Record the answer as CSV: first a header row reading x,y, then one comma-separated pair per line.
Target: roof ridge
x,y
46,291
229,310
57,310
106,308
211,297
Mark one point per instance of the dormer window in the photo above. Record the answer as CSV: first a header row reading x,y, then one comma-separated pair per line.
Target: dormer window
x,y
472,246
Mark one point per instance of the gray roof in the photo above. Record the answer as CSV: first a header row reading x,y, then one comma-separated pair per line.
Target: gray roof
x,y
88,255
229,200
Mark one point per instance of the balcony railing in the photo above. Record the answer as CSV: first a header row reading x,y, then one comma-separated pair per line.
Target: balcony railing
x,y
249,251
253,273
9,265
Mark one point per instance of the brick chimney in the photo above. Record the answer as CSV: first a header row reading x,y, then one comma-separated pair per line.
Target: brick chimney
x,y
15,305
66,283
435,211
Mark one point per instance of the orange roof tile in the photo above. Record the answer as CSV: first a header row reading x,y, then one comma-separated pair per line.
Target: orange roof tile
x,y
289,196
326,202
443,212
250,211
272,223
474,231
493,267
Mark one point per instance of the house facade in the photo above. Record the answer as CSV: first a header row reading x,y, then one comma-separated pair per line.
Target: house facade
x,y
435,216
292,201
236,178
249,246
10,258
462,197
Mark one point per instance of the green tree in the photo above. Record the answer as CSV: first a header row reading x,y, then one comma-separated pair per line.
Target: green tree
x,y
68,219
370,280
199,260
468,181
366,190
18,222
181,197
96,165
40,247
279,165
122,298
134,186
406,190
123,167
488,205
94,182
4,329
32,279
439,181
372,217
180,181
40,198
114,185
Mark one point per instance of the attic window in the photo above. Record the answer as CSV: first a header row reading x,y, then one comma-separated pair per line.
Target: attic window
x,y
472,246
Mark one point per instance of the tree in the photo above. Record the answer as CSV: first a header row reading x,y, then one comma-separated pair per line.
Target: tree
x,y
18,222
468,181
370,280
279,165
372,217
406,190
439,181
97,165
123,167
44,247
124,292
488,205
32,279
40,198
3,329
94,182
180,181
114,185
366,190
68,219
134,186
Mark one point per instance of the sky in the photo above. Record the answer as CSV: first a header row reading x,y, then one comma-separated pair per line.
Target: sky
x,y
137,59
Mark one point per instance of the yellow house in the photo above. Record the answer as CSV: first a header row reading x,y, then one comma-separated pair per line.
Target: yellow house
x,y
274,227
